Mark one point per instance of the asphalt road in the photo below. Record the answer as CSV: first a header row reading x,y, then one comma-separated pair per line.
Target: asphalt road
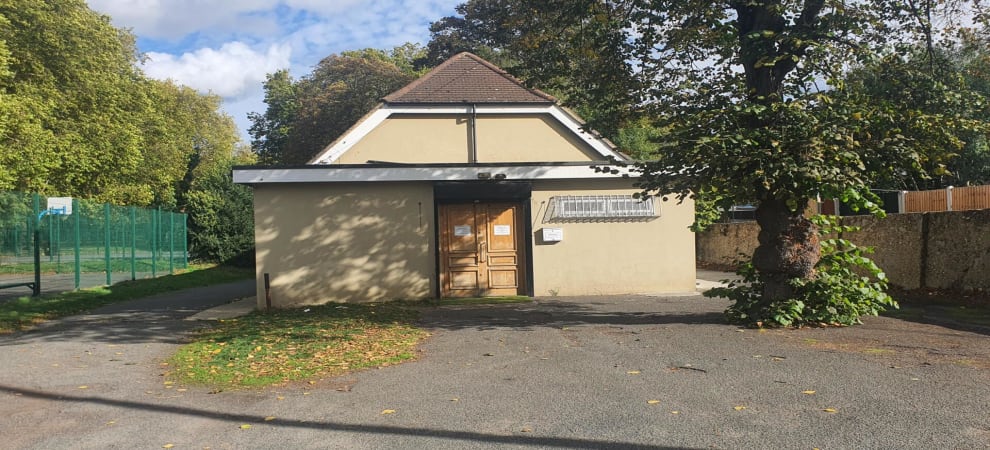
x,y
592,372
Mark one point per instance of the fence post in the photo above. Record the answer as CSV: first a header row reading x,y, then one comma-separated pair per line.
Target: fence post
x,y
948,198
902,202
154,243
133,242
171,242
185,241
36,222
76,213
51,243
106,234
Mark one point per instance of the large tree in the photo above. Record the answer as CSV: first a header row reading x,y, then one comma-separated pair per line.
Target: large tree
x,y
79,118
305,116
950,81
577,50
755,98
749,104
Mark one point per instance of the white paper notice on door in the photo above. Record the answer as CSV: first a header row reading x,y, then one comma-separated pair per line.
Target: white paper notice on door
x,y
502,230
462,230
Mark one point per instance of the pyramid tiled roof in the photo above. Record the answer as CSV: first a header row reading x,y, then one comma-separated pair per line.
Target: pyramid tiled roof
x,y
466,78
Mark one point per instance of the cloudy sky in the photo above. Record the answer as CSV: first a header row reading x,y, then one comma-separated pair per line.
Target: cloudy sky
x,y
227,46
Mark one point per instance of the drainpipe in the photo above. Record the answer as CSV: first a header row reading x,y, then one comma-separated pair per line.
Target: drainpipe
x,y
473,135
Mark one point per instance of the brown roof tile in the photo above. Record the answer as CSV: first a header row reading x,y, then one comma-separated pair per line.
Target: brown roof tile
x,y
466,78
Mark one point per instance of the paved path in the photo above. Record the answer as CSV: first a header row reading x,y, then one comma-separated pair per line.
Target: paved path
x,y
560,373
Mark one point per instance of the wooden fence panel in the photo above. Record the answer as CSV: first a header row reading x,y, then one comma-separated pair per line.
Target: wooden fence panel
x,y
924,201
970,197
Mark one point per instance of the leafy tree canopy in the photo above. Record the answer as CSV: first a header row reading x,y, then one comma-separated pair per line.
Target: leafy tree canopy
x,y
306,115
577,50
79,118
751,101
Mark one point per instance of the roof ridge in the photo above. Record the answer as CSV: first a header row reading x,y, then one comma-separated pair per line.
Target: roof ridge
x,y
433,88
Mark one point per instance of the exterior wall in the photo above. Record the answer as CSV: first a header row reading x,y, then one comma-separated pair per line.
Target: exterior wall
x,y
958,250
518,138
344,242
413,139
600,258
938,250
721,243
444,139
897,245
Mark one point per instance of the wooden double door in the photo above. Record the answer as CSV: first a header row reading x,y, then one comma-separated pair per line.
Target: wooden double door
x,y
482,250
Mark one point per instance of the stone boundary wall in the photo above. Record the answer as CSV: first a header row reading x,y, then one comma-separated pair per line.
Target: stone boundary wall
x,y
939,250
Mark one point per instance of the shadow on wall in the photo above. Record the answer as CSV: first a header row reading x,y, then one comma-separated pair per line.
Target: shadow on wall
x,y
356,244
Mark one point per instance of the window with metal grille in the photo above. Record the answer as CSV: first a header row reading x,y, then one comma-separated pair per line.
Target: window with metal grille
x,y
600,207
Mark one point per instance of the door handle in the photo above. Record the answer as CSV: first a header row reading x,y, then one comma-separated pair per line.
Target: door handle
x,y
484,252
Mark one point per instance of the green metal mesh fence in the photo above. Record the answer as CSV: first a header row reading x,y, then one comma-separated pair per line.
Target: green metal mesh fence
x,y
93,243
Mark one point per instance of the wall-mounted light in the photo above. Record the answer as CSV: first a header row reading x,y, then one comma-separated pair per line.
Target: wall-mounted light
x,y
499,176
484,175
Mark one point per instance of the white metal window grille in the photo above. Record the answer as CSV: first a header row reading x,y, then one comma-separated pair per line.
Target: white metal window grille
x,y
600,207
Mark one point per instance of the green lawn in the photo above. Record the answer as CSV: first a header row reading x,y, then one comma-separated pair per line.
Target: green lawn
x,y
25,312
264,349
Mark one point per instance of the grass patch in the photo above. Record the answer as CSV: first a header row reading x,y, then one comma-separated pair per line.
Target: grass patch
x,y
480,300
25,312
263,349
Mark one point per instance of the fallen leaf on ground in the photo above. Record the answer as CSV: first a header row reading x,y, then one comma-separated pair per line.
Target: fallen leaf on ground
x,y
83,387
280,398
808,392
245,426
269,418
653,402
455,399
675,412
633,372
168,446
526,430
830,410
739,408
388,411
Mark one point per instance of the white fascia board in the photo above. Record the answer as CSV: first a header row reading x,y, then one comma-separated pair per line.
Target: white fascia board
x,y
332,174
356,134
595,142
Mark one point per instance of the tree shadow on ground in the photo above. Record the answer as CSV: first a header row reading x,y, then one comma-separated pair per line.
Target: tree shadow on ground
x,y
155,319
337,427
575,311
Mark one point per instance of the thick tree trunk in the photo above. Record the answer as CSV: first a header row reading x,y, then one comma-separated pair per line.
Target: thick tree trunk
x,y
789,248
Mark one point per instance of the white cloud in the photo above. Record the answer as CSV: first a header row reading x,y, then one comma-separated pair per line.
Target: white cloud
x,y
227,47
174,19
233,70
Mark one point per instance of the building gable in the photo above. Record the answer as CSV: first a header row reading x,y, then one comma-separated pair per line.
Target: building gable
x,y
457,113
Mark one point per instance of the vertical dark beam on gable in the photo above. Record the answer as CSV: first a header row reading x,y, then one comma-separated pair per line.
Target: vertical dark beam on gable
x,y
473,135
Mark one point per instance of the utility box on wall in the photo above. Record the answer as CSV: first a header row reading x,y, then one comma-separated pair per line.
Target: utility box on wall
x,y
553,235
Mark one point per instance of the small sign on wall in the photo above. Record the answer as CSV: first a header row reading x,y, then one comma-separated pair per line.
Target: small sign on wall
x,y
462,230
502,230
553,234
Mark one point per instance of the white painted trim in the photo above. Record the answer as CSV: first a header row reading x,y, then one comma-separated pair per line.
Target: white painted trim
x,y
335,150
352,174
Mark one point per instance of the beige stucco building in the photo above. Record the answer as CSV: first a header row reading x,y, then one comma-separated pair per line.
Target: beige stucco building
x,y
463,183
